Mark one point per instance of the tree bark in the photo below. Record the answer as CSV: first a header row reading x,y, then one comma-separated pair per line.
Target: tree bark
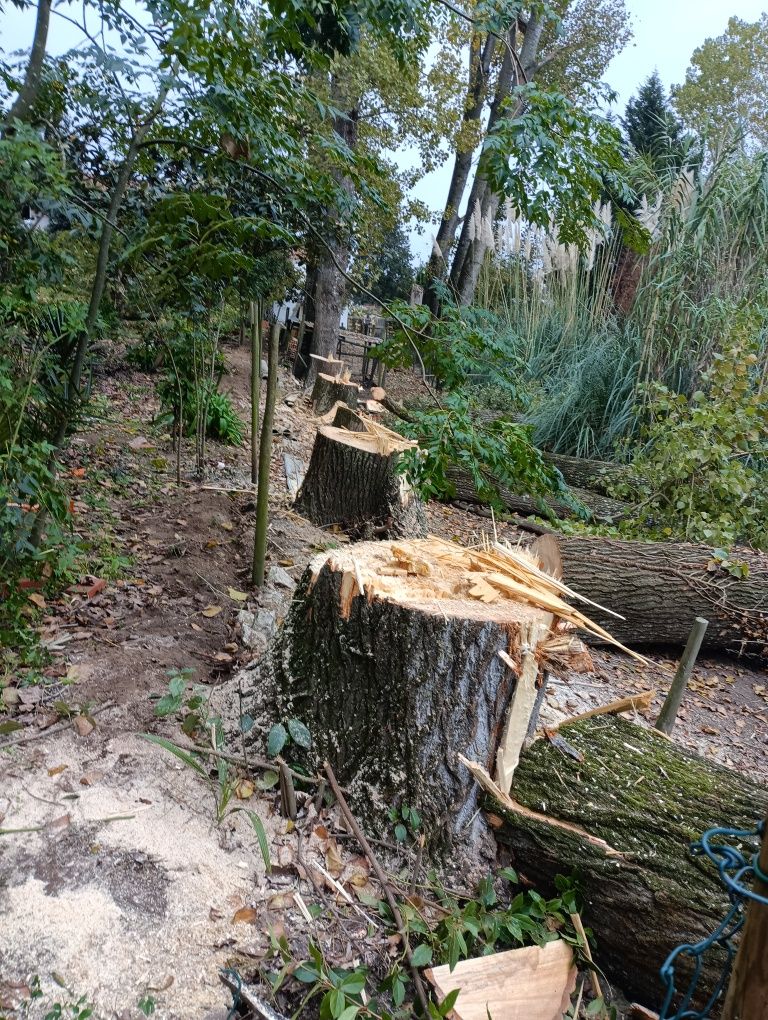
x,y
597,475
480,56
353,481
28,92
330,285
474,242
327,391
747,997
395,682
647,799
661,587
602,508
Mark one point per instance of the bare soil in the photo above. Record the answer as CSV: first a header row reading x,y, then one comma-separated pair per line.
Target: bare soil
x,y
116,882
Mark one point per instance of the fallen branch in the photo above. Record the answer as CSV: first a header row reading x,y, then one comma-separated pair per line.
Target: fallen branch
x,y
242,993
381,876
638,702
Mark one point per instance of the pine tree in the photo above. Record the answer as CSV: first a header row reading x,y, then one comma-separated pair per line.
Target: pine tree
x,y
652,129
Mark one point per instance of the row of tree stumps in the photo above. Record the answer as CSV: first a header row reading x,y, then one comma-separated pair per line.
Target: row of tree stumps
x,y
407,667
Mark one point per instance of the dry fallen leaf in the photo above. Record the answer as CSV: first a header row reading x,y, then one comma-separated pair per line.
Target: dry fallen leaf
x,y
238,596
333,859
280,901
140,443
211,611
244,789
99,585
162,985
89,778
245,915
57,769
59,823
38,600
83,725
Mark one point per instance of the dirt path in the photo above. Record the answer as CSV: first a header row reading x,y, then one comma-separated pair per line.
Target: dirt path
x,y
123,888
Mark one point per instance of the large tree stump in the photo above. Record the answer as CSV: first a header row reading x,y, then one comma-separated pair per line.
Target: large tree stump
x,y
395,683
660,588
647,799
353,481
328,390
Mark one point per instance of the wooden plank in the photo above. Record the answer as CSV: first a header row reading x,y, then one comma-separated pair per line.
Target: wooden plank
x,y
633,702
534,983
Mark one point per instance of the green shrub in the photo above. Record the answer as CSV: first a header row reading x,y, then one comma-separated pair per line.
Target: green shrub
x,y
704,458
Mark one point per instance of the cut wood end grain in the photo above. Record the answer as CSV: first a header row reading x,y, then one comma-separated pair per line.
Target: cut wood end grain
x,y
535,983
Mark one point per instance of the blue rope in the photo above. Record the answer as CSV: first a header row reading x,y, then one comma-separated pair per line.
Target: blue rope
x,y
237,981
733,868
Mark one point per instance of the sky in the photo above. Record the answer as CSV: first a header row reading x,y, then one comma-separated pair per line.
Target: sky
x,y
666,32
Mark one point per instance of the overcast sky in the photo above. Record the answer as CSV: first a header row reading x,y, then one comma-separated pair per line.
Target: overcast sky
x,y
666,32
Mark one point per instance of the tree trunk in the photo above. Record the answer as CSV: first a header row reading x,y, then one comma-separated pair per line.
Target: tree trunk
x,y
480,56
602,508
328,390
747,997
475,238
353,481
647,799
330,284
394,683
598,475
25,100
661,587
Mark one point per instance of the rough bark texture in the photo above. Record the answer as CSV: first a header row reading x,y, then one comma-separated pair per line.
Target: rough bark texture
x,y
395,691
327,391
648,799
597,475
602,508
747,997
660,588
358,489
346,418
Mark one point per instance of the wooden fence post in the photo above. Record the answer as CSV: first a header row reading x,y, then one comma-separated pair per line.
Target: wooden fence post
x,y
671,706
747,996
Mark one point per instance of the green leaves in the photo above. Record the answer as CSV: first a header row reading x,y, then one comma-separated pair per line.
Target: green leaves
x,y
277,739
299,733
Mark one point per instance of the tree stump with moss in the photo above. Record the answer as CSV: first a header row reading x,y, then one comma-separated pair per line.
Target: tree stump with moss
x,y
648,800
395,666
329,389
353,480
661,587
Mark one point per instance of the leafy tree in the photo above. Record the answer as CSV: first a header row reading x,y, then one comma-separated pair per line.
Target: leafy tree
x,y
652,128
726,85
393,268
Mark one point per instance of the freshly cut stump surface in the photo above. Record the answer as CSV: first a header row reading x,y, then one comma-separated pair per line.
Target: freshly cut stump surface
x,y
328,390
353,481
393,663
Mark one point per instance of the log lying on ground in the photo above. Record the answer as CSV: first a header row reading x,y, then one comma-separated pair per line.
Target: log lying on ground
x,y
596,475
330,389
602,508
660,588
397,656
353,481
647,799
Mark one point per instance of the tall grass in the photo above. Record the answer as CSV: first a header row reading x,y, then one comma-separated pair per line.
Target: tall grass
x,y
587,362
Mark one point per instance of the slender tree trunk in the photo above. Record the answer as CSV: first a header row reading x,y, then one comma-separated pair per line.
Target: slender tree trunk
x,y
747,997
330,284
476,235
102,258
25,100
480,56
265,461
255,386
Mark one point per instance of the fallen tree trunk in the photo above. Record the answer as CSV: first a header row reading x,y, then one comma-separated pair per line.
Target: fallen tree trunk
x,y
601,508
353,481
660,589
597,475
329,389
648,800
400,657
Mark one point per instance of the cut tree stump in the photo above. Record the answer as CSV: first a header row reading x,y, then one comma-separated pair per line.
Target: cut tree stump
x,y
648,800
400,656
353,481
660,589
601,508
329,389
